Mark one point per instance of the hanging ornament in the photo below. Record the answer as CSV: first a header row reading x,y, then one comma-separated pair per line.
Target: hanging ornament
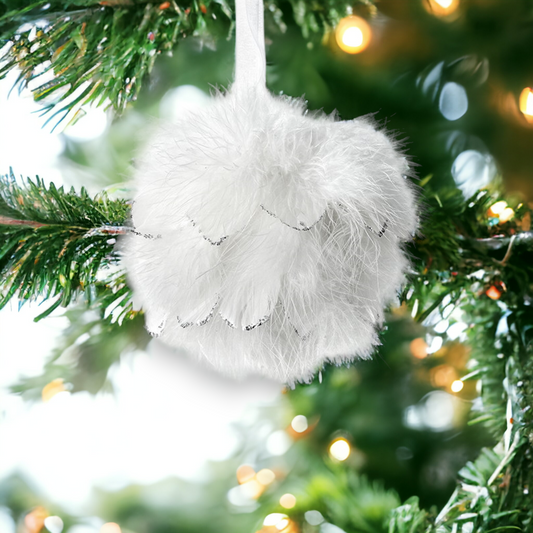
x,y
268,239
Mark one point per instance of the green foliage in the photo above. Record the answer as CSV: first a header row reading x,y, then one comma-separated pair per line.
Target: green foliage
x,y
93,341
55,243
408,518
99,52
96,52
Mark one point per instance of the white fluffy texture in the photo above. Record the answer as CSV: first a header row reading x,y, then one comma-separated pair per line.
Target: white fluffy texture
x,y
275,235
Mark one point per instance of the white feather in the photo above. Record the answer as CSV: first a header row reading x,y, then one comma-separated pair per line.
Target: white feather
x,y
268,240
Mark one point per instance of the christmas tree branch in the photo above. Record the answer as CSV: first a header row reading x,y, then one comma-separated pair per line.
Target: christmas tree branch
x,y
55,244
99,52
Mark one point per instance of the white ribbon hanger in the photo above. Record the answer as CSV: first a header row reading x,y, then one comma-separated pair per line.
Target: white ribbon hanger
x,y
250,61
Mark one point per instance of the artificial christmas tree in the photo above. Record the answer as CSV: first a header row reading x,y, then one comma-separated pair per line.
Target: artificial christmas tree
x,y
449,75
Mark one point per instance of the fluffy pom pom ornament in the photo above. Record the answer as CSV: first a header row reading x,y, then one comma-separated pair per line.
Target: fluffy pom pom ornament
x,y
268,240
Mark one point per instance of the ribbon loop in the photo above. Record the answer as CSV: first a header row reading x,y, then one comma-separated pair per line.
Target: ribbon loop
x,y
250,61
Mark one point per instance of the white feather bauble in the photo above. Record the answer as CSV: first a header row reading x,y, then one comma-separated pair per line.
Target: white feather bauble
x,y
267,239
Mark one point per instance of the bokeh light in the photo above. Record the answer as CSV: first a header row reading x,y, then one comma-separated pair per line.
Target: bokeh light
x,y
525,103
419,348
353,34
453,101
245,473
288,501
441,8
299,423
443,375
252,489
498,208
340,449
110,527
34,520
493,292
506,215
53,524
457,386
265,476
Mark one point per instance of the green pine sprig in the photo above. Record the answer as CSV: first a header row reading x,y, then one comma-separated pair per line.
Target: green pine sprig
x,y
55,243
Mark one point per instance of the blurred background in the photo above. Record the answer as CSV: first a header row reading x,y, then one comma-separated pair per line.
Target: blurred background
x,y
142,439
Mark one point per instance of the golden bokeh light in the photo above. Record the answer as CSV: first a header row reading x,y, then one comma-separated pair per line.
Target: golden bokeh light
x,y
34,520
278,523
110,527
457,386
497,208
441,8
525,103
245,473
252,489
52,389
419,348
443,376
288,501
340,449
493,292
265,476
506,215
353,34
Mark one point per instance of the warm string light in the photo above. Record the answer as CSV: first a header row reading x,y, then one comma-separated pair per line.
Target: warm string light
x,y
419,348
457,386
441,8
288,501
252,483
340,449
493,292
525,103
278,523
501,212
443,376
353,34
